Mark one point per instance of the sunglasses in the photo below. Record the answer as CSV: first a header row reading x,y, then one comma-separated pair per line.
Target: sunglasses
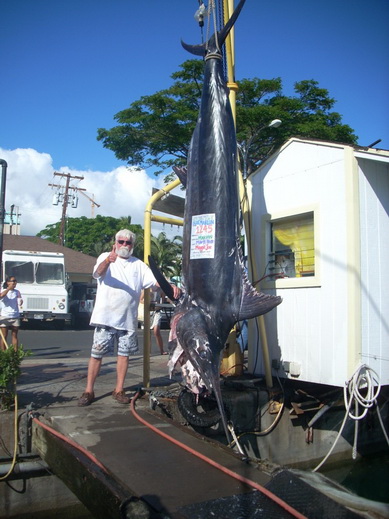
x,y
12,280
125,241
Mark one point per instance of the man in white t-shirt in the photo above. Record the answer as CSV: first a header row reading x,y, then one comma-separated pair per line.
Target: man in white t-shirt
x,y
120,281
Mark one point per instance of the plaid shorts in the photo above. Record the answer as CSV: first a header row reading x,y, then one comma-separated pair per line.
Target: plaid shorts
x,y
104,342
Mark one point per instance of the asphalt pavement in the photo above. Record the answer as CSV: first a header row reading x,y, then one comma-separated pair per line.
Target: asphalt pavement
x,y
48,343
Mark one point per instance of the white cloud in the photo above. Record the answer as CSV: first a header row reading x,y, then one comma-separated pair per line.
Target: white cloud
x,y
121,192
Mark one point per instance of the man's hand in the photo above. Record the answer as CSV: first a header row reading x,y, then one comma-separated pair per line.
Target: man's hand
x,y
112,255
176,292
111,258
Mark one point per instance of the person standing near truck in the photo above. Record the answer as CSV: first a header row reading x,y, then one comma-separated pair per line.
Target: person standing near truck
x,y
10,303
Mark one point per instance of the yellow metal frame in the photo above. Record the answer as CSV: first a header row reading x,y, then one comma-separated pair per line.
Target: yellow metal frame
x,y
149,217
228,6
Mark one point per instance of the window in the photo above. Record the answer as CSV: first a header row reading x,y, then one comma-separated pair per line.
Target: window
x,y
22,270
45,273
49,273
292,247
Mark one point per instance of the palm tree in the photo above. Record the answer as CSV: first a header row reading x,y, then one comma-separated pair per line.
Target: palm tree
x,y
100,247
167,254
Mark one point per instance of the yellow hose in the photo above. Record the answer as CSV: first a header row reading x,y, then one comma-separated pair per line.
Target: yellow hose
x,y
15,422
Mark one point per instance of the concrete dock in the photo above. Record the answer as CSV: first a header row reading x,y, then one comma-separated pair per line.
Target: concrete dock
x,y
133,471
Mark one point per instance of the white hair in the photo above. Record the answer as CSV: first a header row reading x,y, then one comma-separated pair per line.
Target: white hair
x,y
125,233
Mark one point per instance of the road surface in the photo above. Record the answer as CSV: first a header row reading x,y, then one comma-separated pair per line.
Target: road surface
x,y
54,344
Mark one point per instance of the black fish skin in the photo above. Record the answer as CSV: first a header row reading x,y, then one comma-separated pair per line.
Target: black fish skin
x,y
217,293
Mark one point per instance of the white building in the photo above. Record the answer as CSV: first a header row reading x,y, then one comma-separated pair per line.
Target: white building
x,y
320,240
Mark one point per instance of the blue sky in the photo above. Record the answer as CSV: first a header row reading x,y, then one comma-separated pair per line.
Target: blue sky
x,y
69,67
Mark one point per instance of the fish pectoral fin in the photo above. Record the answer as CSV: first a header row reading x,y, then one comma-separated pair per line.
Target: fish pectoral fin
x,y
182,174
256,303
162,281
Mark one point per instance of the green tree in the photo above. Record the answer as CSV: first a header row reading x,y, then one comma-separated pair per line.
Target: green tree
x,y
90,235
155,131
167,254
95,235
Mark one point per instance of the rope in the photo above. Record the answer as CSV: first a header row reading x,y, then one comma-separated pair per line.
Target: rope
x,y
212,11
363,378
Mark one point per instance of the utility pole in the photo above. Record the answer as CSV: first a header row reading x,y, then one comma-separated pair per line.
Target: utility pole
x,y
68,177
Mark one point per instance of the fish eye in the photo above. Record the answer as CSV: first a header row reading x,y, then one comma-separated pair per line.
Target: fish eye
x,y
203,354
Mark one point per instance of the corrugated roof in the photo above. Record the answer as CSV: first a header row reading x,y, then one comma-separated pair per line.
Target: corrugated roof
x,y
75,262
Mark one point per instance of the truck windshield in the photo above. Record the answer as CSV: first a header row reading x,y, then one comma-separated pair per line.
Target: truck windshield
x,y
22,270
45,273
49,274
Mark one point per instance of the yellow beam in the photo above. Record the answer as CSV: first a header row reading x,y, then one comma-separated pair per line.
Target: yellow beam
x,y
149,217
228,8
165,219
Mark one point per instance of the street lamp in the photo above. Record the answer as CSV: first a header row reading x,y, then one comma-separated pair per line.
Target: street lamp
x,y
275,123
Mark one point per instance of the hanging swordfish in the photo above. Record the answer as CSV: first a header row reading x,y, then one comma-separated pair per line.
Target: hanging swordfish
x,y
217,291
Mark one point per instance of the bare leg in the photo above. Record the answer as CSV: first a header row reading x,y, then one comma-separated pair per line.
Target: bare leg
x,y
14,332
158,338
121,372
93,370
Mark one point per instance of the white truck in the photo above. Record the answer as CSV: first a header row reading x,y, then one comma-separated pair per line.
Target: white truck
x,y
41,281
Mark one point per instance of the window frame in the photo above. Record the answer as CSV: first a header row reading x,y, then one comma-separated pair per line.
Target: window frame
x,y
266,227
44,268
15,268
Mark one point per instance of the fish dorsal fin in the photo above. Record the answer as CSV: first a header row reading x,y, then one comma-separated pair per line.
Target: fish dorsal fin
x,y
255,303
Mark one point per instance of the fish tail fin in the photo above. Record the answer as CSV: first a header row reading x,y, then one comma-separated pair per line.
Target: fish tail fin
x,y
228,26
197,50
201,50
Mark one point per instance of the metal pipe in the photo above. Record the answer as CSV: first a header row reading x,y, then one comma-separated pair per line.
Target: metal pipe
x,y
2,209
147,251
228,6
25,469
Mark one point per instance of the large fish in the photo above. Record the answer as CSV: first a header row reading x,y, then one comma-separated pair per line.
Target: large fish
x,y
217,291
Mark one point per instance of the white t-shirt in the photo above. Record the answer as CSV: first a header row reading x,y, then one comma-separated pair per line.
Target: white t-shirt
x,y
118,292
10,304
